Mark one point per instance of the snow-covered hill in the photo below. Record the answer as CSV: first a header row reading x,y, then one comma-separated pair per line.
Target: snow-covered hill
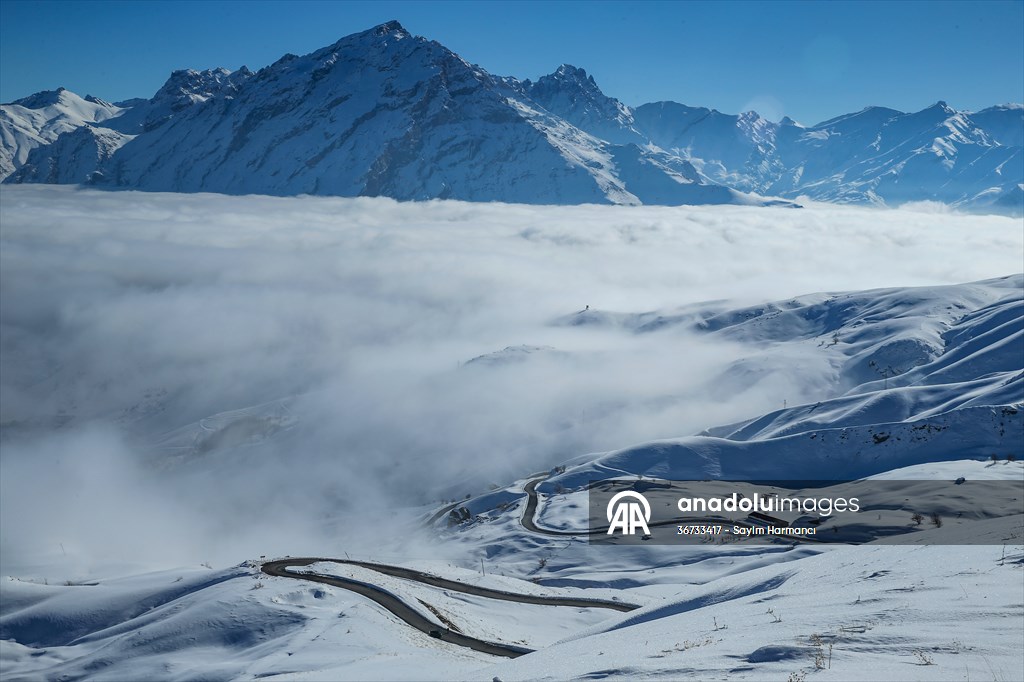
x,y
848,613
41,118
912,375
386,113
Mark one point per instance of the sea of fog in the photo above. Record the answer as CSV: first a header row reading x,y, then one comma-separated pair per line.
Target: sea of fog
x,y
127,316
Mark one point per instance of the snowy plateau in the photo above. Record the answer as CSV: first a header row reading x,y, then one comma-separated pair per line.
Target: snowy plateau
x,y
321,392
386,113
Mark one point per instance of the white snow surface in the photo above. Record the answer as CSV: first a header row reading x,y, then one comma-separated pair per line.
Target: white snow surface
x,y
42,118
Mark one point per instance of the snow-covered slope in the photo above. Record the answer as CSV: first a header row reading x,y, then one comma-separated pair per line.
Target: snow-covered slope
x,y
911,375
855,613
734,150
41,118
74,157
850,613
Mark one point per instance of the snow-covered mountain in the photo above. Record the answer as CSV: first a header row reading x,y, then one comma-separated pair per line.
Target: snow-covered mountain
x,y
878,155
572,94
386,113
39,119
379,113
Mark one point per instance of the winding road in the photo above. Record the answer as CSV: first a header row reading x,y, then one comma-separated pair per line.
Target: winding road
x,y
396,606
415,618
280,568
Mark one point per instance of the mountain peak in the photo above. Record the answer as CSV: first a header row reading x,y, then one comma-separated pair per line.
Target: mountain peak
x,y
192,82
96,100
941,106
574,95
380,35
42,99
567,73
390,28
567,78
570,70
186,87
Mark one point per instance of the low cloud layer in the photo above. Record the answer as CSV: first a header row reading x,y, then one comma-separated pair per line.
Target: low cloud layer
x,y
335,335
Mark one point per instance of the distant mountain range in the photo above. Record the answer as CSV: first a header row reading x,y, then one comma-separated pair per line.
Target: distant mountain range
x,y
386,113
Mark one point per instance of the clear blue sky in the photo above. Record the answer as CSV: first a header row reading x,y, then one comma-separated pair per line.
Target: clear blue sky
x,y
809,60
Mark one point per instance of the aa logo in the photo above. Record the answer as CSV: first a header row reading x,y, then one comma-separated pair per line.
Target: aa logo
x,y
628,515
